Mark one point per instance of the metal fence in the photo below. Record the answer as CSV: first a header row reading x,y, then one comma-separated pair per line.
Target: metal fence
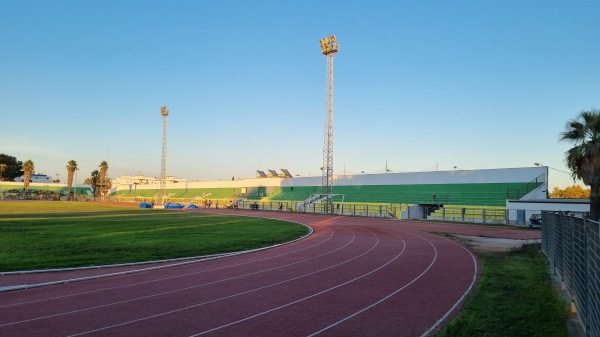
x,y
395,211
469,214
572,245
376,211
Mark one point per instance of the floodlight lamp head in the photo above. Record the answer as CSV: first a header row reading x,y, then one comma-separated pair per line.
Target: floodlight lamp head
x,y
164,112
329,45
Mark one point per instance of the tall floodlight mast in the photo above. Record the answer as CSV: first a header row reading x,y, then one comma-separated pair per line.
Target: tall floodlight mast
x,y
163,164
328,47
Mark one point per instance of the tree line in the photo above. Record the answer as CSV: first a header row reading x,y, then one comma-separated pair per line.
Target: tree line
x,y
11,168
571,192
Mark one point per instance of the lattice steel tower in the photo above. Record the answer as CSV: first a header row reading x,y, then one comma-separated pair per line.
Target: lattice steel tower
x,y
328,47
163,164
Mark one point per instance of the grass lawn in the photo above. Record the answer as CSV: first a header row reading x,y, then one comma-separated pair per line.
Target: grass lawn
x,y
40,234
515,297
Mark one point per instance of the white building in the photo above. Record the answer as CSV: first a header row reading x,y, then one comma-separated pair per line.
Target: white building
x,y
520,211
143,180
36,178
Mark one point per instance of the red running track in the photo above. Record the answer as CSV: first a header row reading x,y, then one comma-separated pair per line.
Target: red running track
x,y
351,277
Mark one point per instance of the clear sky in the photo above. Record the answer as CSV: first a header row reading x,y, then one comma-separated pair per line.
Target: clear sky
x,y
421,85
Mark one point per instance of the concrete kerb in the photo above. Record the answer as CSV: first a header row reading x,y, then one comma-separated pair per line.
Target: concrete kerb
x,y
574,325
35,285
186,261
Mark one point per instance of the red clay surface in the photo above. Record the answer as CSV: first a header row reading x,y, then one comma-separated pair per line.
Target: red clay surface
x,y
351,277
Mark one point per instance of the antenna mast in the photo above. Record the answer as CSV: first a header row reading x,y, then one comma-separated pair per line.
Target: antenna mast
x,y
329,46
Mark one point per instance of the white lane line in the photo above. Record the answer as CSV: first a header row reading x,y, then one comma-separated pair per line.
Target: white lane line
x,y
172,291
187,261
169,278
229,296
177,290
464,295
454,306
391,294
305,298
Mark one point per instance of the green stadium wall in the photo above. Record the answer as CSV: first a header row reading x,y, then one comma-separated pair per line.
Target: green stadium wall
x,y
461,187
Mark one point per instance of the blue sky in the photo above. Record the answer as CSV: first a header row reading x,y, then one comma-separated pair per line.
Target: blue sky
x,y
423,85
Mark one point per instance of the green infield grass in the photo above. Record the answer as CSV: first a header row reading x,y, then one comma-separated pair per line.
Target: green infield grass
x,y
515,297
42,235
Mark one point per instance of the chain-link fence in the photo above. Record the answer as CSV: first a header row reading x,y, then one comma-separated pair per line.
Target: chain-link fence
x,y
572,245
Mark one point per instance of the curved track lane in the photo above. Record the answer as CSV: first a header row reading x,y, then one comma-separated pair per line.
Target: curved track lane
x,y
351,277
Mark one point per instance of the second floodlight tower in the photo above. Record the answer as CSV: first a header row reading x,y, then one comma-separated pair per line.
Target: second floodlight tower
x,y
163,163
329,46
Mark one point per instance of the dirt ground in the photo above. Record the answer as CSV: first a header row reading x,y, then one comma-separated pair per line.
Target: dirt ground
x,y
490,245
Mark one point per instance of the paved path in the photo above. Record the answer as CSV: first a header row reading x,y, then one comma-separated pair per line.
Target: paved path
x,y
351,277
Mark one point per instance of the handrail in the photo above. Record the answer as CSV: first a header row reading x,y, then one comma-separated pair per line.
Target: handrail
x,y
526,188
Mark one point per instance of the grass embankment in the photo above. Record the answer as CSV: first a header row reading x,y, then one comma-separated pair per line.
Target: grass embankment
x,y
515,297
40,235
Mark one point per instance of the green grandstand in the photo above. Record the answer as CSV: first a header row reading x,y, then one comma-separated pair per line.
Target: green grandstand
x,y
479,195
474,188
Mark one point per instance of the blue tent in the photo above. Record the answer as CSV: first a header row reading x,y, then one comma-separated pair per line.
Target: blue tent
x,y
173,205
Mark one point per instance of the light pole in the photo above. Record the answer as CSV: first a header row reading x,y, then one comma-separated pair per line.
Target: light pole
x,y
163,164
329,47
552,168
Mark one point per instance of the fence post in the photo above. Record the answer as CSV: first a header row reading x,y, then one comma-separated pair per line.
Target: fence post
x,y
588,269
572,271
484,218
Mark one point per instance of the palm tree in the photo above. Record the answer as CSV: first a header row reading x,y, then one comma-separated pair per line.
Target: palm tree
x,y
103,169
28,168
93,181
583,159
71,168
